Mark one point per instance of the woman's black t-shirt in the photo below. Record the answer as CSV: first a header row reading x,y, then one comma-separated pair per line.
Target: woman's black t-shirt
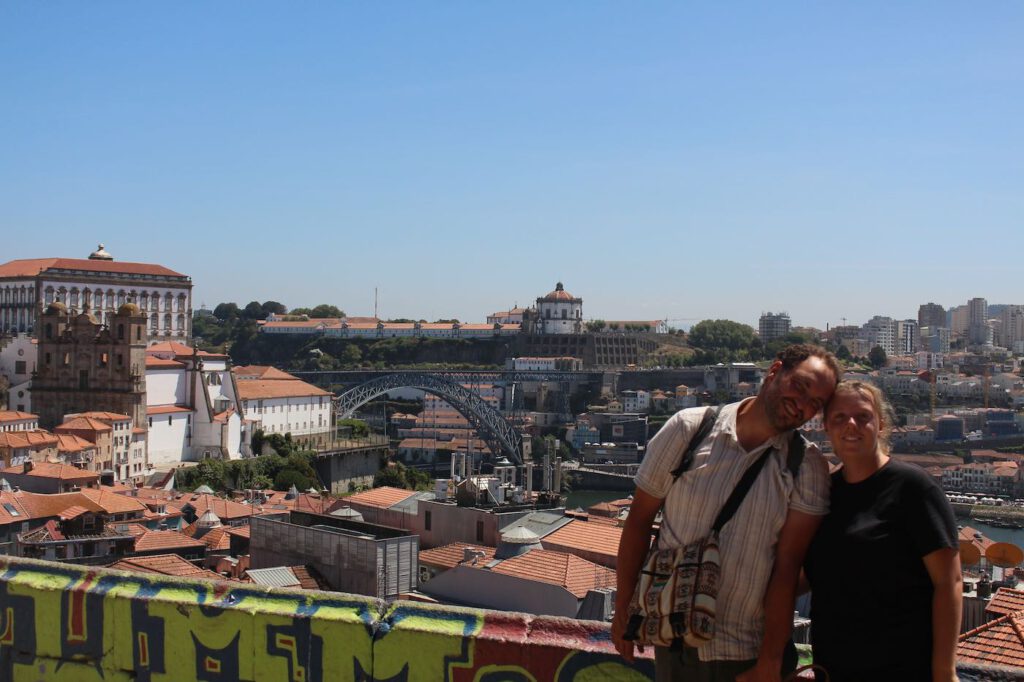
x,y
871,596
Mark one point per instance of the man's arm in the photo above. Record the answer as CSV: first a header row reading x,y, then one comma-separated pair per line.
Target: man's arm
x,y
947,602
633,547
795,537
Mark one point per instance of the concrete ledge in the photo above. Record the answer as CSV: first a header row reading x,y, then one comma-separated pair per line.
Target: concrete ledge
x,y
79,624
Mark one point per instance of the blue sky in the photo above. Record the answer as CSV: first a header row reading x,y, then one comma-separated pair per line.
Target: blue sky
x,y
663,160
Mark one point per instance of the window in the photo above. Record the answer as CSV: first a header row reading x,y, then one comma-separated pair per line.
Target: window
x,y
168,420
479,531
83,379
120,332
426,520
102,360
19,366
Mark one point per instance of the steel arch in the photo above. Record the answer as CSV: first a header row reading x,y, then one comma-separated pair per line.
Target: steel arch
x,y
492,427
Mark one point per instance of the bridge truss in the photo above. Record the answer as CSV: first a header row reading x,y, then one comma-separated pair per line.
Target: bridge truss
x,y
489,423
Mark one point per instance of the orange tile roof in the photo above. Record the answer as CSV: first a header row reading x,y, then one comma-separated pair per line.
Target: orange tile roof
x,y
69,442
1005,601
179,350
998,642
163,363
300,323
64,472
112,416
576,575
585,536
167,409
83,424
41,506
264,372
165,564
224,509
27,439
73,512
113,503
308,577
256,389
216,539
15,416
13,499
382,497
152,540
240,531
450,556
30,267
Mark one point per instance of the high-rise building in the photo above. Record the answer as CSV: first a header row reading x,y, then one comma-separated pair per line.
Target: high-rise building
x,y
979,333
907,339
881,331
959,321
931,315
1012,332
773,326
97,284
935,339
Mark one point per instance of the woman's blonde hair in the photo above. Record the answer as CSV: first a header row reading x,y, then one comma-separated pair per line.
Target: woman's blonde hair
x,y
886,416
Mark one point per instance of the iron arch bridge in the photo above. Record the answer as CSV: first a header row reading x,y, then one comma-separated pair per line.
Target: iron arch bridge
x,y
492,427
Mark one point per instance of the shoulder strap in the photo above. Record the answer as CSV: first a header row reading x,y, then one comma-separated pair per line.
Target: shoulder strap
x,y
707,423
795,457
740,491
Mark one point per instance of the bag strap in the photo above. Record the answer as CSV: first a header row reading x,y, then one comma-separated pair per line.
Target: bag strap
x,y
707,423
795,456
741,490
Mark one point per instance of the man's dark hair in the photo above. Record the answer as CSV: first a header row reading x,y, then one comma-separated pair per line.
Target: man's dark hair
x,y
791,356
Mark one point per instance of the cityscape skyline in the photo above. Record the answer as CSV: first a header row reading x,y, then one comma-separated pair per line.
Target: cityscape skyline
x,y
460,159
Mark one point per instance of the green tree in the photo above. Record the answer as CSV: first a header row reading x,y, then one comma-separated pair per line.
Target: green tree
x,y
843,353
253,311
721,341
595,325
273,307
226,311
392,476
877,358
324,310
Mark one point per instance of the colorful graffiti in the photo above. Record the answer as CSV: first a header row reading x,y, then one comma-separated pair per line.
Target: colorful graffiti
x,y
70,623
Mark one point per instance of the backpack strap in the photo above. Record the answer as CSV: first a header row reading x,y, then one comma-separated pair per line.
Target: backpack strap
x,y
795,456
707,423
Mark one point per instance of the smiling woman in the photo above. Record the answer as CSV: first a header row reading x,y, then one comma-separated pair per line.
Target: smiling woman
x,y
883,568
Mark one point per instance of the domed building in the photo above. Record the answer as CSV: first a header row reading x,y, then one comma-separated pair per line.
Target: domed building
x,y
559,312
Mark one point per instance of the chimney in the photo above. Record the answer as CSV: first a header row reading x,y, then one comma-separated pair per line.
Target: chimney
x,y
27,467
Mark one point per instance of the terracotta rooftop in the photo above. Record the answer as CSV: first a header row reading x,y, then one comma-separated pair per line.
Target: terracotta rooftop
x,y
152,540
112,416
382,497
41,506
167,409
11,509
264,372
998,642
201,502
256,389
308,578
65,472
27,439
30,267
114,503
15,416
239,531
576,575
575,536
165,564
1005,601
69,442
450,556
179,350
163,363
82,424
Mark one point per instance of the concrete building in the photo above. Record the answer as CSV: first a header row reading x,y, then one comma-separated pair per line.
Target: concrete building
x,y
979,332
907,337
98,284
880,331
931,315
351,556
17,363
277,402
773,326
935,339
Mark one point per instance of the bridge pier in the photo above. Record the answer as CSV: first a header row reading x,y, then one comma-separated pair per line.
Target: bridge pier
x,y
344,469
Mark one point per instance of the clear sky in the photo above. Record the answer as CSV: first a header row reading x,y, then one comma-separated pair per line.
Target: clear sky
x,y
664,160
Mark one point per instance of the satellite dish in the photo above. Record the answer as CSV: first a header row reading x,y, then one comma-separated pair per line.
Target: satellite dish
x,y
970,555
1004,554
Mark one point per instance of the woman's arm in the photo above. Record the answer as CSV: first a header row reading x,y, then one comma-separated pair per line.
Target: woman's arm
x,y
944,570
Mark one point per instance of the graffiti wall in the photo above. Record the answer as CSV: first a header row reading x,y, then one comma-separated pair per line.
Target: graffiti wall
x,y
78,624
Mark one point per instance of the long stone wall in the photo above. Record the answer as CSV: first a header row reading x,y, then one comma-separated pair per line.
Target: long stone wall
x,y
77,624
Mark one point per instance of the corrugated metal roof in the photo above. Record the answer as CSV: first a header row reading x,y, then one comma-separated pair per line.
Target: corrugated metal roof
x,y
279,576
540,523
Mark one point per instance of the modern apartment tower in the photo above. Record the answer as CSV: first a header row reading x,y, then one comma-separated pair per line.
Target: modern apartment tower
x,y
773,326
